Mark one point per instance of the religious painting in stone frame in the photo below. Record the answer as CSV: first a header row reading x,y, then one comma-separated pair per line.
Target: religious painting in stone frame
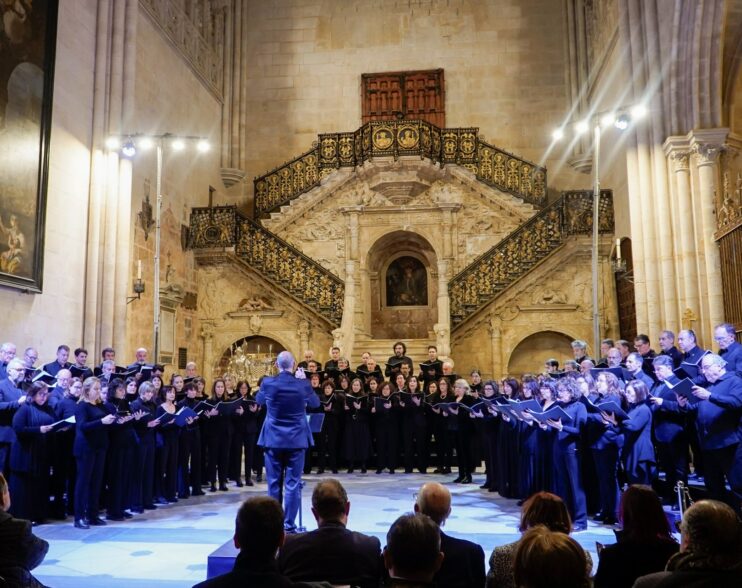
x,y
406,282
27,47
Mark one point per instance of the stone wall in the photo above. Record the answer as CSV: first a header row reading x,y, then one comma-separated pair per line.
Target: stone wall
x,y
169,98
504,65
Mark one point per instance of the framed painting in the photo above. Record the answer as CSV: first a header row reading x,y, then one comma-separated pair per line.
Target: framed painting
x,y
406,282
27,43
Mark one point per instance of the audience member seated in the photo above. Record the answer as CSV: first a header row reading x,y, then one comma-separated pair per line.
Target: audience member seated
x,y
463,561
20,550
413,554
258,534
644,545
332,552
545,509
710,551
549,559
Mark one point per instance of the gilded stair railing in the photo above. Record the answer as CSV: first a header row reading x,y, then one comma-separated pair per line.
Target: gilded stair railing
x,y
282,264
513,257
460,146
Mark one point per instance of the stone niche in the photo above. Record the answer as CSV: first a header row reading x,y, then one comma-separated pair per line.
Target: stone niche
x,y
402,277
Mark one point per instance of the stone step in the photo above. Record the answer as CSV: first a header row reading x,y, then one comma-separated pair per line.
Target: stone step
x,y
382,349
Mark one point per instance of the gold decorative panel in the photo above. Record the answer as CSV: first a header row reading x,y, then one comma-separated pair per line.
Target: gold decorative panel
x,y
395,138
497,269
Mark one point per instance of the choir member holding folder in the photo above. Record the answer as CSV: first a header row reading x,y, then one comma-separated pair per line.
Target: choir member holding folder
x,y
357,437
166,456
218,431
92,420
444,429
636,424
121,450
144,463
29,455
189,444
462,416
568,418
333,407
414,425
385,413
245,421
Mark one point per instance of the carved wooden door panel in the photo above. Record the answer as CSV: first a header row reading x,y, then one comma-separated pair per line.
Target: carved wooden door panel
x,y
404,95
625,295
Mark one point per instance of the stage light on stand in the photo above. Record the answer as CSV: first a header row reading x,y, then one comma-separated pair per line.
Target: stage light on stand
x,y
178,144
113,143
558,134
582,127
203,146
146,143
622,122
129,149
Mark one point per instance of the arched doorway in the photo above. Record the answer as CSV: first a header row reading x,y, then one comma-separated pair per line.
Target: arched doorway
x,y
403,286
529,355
250,358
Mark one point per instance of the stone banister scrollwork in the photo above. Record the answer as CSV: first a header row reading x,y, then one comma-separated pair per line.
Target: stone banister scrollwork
x,y
460,146
198,36
496,270
300,277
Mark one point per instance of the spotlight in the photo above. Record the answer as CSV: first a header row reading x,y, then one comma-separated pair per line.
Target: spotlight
x,y
178,145
582,127
129,149
638,111
146,143
622,122
558,134
113,143
607,120
203,146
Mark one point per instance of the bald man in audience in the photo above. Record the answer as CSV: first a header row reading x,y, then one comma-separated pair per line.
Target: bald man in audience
x,y
463,561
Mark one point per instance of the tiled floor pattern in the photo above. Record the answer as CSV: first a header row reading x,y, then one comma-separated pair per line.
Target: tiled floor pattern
x,y
172,543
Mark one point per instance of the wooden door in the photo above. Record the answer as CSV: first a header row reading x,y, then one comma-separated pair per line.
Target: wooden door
x,y
405,95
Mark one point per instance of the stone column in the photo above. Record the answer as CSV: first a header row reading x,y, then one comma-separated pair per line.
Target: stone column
x,y
346,334
442,328
207,334
707,145
677,150
495,331
303,333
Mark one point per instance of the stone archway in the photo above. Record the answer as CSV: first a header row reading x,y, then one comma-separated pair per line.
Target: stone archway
x,y
529,355
403,286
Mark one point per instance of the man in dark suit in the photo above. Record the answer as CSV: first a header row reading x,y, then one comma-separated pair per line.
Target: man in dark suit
x,y
258,534
22,551
332,552
61,363
729,349
11,397
463,561
286,435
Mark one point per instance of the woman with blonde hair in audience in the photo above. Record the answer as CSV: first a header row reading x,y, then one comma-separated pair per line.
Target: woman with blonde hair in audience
x,y
541,509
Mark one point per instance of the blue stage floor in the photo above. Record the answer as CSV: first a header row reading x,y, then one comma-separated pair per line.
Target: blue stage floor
x,y
171,545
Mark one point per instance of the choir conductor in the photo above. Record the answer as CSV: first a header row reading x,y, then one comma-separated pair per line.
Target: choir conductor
x,y
286,435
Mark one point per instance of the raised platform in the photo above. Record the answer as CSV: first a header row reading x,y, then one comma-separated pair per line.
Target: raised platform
x,y
173,543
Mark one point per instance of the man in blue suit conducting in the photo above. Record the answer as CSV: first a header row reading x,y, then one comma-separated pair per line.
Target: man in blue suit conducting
x,y
286,435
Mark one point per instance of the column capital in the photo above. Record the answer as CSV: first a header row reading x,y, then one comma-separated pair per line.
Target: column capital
x,y
678,150
707,144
